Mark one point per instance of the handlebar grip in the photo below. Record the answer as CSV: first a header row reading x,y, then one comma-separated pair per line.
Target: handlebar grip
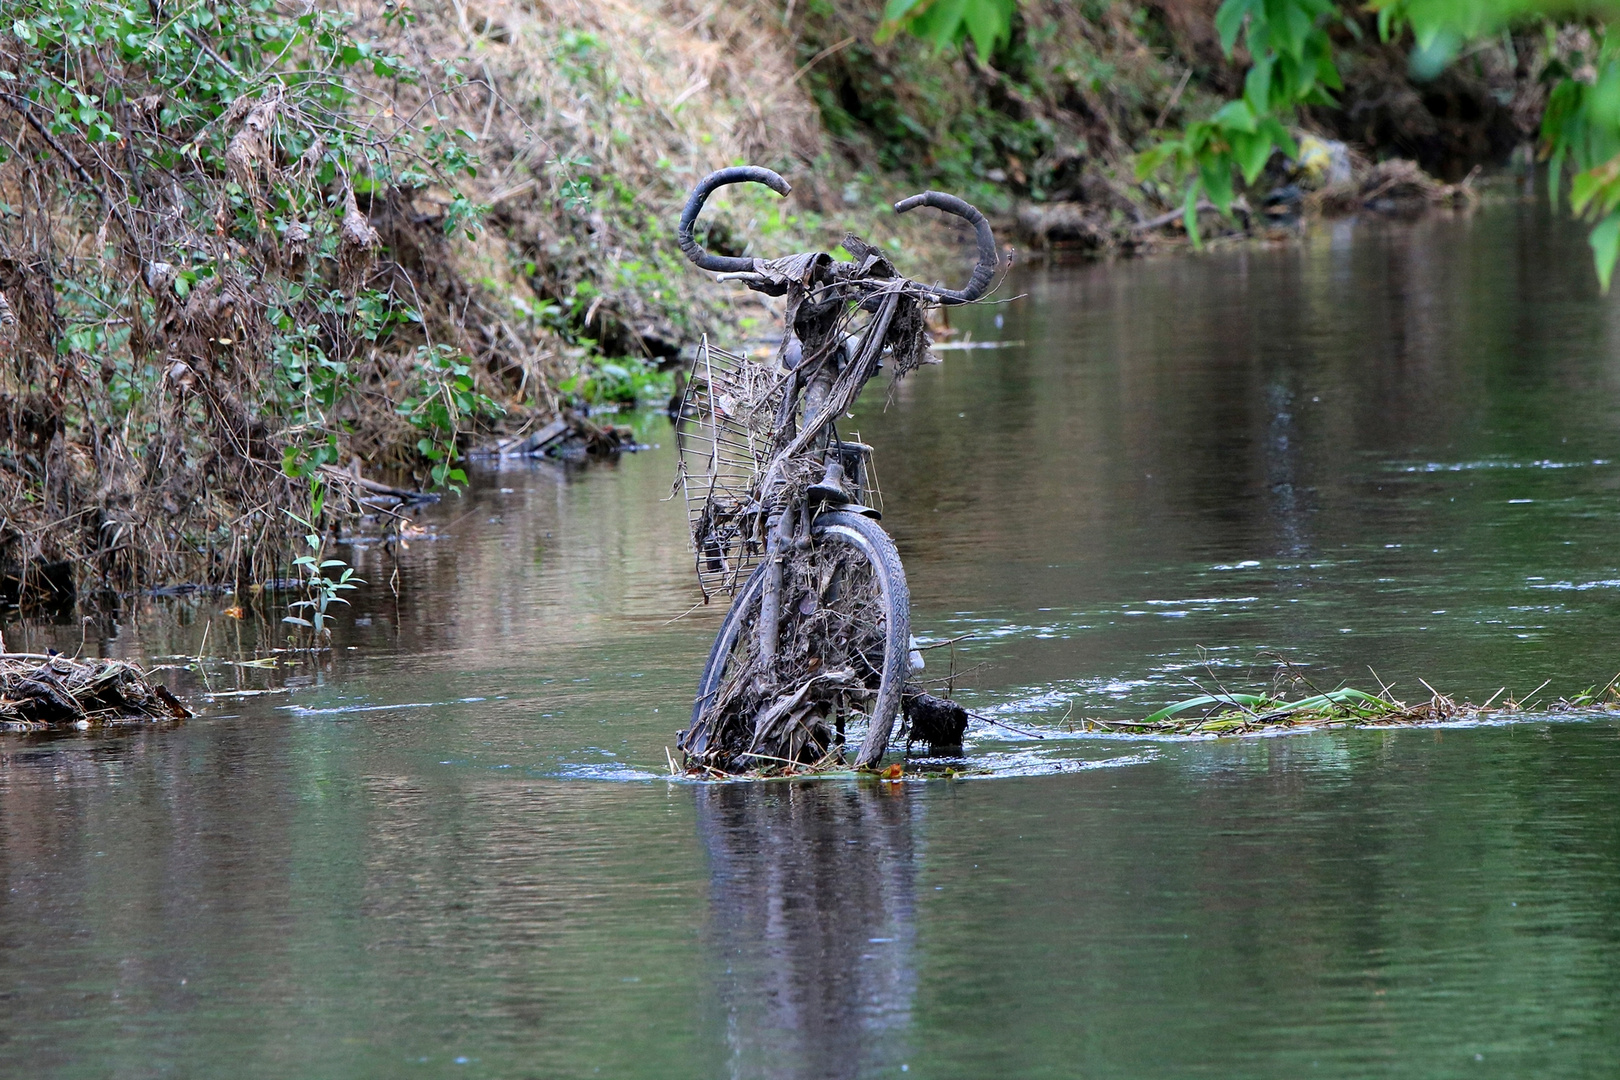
x,y
989,257
738,174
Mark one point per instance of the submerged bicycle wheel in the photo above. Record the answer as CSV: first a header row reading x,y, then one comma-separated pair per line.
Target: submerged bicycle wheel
x,y
842,658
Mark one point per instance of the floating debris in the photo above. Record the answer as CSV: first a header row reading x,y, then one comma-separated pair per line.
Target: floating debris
x,y
573,436
939,722
40,693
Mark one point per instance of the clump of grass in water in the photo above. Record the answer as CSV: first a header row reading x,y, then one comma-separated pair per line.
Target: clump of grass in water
x,y
1223,713
1227,713
1243,714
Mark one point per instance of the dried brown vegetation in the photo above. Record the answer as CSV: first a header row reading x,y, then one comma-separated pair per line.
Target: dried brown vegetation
x,y
205,307
38,693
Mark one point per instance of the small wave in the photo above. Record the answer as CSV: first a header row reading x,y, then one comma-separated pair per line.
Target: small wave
x,y
993,766
607,770
1570,586
1494,463
1195,602
305,710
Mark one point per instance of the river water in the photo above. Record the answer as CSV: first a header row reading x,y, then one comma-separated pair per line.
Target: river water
x,y
451,849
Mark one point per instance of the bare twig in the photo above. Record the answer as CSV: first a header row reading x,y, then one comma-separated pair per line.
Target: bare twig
x,y
1175,96
1003,724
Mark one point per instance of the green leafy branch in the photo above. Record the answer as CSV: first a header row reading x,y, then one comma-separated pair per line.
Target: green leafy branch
x,y
322,584
446,399
1581,128
1292,66
987,23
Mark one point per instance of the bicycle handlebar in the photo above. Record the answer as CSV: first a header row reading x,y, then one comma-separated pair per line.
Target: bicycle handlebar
x,y
983,273
989,258
739,174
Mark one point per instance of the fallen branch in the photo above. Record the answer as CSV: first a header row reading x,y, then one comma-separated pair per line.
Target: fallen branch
x,y
352,476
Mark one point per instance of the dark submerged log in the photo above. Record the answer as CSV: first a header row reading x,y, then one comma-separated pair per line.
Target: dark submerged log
x,y
939,722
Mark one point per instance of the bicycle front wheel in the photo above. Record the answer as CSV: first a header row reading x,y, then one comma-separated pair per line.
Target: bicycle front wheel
x,y
842,658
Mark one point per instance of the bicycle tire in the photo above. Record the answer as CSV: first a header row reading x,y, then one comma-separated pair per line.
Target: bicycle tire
x,y
864,536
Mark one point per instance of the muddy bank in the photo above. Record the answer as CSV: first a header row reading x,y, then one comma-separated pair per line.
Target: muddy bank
x,y
1114,225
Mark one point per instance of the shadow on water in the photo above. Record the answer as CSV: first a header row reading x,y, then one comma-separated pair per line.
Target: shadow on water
x,y
812,918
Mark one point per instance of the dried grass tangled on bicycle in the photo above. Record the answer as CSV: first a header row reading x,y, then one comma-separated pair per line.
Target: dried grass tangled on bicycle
x,y
790,713
755,458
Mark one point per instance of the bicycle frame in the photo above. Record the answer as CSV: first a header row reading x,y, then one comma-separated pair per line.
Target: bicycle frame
x,y
824,368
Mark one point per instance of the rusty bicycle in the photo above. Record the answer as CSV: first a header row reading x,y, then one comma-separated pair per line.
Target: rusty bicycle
x,y
817,642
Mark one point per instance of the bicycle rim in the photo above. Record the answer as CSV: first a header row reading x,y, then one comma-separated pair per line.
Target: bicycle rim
x,y
842,659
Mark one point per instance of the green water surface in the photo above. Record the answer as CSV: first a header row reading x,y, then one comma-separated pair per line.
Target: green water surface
x,y
449,849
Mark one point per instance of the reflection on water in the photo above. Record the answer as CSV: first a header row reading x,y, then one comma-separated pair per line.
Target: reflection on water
x,y
812,917
447,847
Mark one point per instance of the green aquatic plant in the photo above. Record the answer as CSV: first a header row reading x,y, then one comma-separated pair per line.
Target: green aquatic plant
x,y
323,582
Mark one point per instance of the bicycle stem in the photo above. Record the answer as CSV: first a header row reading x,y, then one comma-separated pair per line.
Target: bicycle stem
x,y
859,370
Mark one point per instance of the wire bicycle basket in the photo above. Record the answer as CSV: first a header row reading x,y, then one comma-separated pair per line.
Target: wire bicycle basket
x,y
725,433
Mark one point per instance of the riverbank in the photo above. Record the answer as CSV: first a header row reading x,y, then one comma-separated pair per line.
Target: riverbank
x,y
186,376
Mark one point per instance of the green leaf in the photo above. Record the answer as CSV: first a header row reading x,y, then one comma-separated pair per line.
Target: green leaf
x,y
1434,53
1327,72
1235,116
1273,129
1257,85
1605,241
1229,21
1206,701
1251,153
1153,158
941,21
1582,188
1298,24
1189,214
988,22
1347,698
1216,177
